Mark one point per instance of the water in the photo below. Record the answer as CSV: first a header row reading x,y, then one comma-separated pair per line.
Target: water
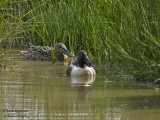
x,y
40,90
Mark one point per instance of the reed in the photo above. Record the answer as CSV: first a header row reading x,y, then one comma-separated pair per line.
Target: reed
x,y
120,28
119,32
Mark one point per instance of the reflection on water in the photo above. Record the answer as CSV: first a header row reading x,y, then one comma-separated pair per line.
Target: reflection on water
x,y
82,85
82,81
40,90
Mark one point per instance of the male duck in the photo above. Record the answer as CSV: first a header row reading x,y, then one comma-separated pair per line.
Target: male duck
x,y
45,52
81,67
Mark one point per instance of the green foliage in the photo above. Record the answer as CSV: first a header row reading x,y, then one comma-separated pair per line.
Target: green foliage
x,y
121,29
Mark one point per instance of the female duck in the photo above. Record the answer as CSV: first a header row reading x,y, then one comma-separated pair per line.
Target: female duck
x,y
82,67
45,52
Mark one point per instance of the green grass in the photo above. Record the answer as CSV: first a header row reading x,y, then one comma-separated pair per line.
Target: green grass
x,y
121,28
111,31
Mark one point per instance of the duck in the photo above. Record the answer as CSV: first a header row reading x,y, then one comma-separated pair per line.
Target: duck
x,y
82,66
44,53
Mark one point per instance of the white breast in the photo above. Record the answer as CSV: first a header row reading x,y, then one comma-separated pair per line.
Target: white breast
x,y
78,71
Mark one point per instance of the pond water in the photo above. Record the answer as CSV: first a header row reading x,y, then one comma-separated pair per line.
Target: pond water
x,y
40,90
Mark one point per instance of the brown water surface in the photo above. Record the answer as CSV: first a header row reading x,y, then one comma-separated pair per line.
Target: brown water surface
x,y
40,90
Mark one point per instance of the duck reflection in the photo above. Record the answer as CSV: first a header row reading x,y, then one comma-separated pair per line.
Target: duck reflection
x,y
83,85
82,80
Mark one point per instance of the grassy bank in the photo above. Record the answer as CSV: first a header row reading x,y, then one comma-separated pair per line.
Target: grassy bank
x,y
116,32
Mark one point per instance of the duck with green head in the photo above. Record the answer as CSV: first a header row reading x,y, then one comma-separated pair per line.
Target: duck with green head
x,y
82,66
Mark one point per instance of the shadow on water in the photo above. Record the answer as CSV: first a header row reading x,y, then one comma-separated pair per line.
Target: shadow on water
x,y
40,90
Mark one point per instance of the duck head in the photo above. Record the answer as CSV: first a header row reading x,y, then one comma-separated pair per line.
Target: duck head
x,y
83,59
61,53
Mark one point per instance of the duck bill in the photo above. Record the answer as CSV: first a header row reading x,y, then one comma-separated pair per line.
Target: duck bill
x,y
66,52
88,63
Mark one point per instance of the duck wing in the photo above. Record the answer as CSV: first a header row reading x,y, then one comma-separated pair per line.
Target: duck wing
x,y
38,53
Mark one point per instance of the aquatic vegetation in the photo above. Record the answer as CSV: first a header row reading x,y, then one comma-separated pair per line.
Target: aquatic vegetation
x,y
113,30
